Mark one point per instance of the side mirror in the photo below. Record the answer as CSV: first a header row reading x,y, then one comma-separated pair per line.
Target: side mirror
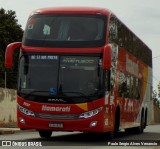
x,y
9,53
107,57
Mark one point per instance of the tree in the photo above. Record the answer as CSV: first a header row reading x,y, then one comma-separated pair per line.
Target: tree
x,y
10,31
154,97
158,89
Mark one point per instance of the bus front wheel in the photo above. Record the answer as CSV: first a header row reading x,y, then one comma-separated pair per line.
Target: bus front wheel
x,y
112,134
45,133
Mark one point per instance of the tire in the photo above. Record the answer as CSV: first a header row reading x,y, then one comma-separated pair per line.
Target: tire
x,y
45,133
117,121
112,134
137,130
145,122
140,129
129,130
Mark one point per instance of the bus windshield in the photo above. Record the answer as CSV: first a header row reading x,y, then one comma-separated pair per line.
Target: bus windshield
x,y
60,76
65,31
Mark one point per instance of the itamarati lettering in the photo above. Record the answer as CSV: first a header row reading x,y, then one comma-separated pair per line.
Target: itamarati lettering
x,y
57,109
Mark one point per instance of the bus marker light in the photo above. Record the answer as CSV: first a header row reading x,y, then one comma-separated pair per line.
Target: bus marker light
x,y
93,124
22,120
106,121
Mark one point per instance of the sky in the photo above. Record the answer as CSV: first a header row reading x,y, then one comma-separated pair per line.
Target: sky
x,y
141,16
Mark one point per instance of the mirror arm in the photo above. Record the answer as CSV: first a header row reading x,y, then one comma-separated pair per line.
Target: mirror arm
x,y
9,53
107,54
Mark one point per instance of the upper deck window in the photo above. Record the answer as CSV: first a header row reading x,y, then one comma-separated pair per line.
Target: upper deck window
x,y
65,31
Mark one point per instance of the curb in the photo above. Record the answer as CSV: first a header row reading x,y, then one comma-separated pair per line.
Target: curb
x,y
4,131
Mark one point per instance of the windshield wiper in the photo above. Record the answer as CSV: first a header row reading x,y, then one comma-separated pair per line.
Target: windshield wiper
x,y
34,91
97,93
79,93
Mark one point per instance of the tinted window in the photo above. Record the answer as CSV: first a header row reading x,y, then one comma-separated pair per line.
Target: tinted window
x,y
65,31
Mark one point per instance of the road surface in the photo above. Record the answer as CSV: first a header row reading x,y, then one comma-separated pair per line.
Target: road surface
x,y
84,140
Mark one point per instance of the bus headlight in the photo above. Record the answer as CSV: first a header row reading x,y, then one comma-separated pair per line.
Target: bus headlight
x,y
91,113
25,111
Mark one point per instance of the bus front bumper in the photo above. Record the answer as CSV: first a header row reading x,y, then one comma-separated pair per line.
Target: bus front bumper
x,y
91,124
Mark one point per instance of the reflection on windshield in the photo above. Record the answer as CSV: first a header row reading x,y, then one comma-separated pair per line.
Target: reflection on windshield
x,y
79,74
66,76
41,73
65,30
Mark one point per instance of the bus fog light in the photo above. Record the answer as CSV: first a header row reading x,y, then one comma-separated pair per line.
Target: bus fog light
x,y
21,120
93,124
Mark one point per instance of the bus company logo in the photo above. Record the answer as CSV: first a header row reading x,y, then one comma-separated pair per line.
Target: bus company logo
x,y
56,109
26,104
56,100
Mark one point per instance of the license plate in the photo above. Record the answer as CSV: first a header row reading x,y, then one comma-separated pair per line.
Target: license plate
x,y
56,124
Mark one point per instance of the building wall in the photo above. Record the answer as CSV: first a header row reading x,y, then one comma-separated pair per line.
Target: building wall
x,y
156,112
8,108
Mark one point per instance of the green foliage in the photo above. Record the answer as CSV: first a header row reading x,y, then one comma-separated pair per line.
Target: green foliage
x,y
158,89
156,96
10,31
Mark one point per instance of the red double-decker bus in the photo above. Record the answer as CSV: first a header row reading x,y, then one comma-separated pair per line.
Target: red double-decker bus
x,y
81,69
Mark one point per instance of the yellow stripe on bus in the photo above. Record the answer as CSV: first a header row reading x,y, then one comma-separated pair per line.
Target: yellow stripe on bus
x,y
83,106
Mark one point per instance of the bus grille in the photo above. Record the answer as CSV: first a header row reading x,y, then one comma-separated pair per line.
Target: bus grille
x,y
57,116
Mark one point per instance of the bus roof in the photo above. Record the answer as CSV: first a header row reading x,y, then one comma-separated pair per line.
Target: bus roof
x,y
72,10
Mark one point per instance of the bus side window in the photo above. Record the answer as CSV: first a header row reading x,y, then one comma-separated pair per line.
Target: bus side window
x,y
128,95
135,86
122,85
113,33
139,89
131,88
